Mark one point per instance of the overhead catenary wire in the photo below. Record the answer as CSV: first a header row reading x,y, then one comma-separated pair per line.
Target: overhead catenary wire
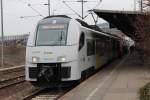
x,y
93,18
90,11
35,10
78,1
100,1
82,2
23,1
29,16
71,9
30,6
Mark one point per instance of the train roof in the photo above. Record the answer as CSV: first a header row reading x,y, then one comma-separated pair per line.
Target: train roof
x,y
63,16
96,28
93,27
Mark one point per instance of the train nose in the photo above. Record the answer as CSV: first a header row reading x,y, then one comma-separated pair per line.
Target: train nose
x,y
46,74
49,72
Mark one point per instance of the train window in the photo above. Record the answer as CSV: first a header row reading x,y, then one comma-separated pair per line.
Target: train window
x,y
90,47
51,34
81,41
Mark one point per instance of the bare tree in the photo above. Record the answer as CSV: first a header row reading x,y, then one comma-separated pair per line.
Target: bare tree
x,y
146,5
142,33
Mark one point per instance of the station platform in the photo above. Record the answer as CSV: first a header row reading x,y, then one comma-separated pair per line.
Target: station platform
x,y
121,80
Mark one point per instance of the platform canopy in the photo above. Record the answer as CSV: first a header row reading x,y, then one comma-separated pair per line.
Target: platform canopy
x,y
123,20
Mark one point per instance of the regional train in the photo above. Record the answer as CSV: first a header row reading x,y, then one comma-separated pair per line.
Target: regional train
x,y
63,49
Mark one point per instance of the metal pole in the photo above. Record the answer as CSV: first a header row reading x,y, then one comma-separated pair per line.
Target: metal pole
x,y
134,5
49,9
82,8
141,5
2,35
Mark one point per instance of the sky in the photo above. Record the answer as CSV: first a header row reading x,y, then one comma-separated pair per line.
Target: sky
x,y
18,15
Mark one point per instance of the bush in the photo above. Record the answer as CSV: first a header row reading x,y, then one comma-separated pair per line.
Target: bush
x,y
145,92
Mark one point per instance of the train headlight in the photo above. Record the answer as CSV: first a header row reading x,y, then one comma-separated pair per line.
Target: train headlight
x,y
35,59
61,58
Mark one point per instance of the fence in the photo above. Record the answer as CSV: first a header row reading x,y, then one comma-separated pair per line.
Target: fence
x,y
15,40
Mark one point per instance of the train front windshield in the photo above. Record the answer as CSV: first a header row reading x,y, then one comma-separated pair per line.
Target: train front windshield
x,y
51,35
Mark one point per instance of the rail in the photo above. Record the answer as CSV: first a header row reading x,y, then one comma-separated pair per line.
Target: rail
x,y
12,68
9,76
12,81
50,95
30,96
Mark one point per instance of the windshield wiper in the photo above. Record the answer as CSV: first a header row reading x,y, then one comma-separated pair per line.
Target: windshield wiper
x,y
61,37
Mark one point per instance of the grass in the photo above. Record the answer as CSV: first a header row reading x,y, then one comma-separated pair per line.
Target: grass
x,y
13,56
145,92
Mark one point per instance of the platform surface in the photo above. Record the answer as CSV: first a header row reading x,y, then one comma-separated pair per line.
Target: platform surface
x,y
121,80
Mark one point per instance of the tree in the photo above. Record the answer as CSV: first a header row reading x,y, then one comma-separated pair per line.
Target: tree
x,y
142,33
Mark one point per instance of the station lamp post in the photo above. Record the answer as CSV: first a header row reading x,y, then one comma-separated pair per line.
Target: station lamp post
x,y
2,36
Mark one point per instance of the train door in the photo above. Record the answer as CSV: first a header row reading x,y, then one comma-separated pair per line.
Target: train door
x,y
90,53
82,52
101,51
97,51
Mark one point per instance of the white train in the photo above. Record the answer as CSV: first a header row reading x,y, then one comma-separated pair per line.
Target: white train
x,y
63,49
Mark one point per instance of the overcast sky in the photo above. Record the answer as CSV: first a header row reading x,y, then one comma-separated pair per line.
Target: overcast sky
x,y
14,9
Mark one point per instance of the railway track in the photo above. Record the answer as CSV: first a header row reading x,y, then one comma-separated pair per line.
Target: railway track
x,y
33,94
52,93
46,94
12,81
11,76
12,69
